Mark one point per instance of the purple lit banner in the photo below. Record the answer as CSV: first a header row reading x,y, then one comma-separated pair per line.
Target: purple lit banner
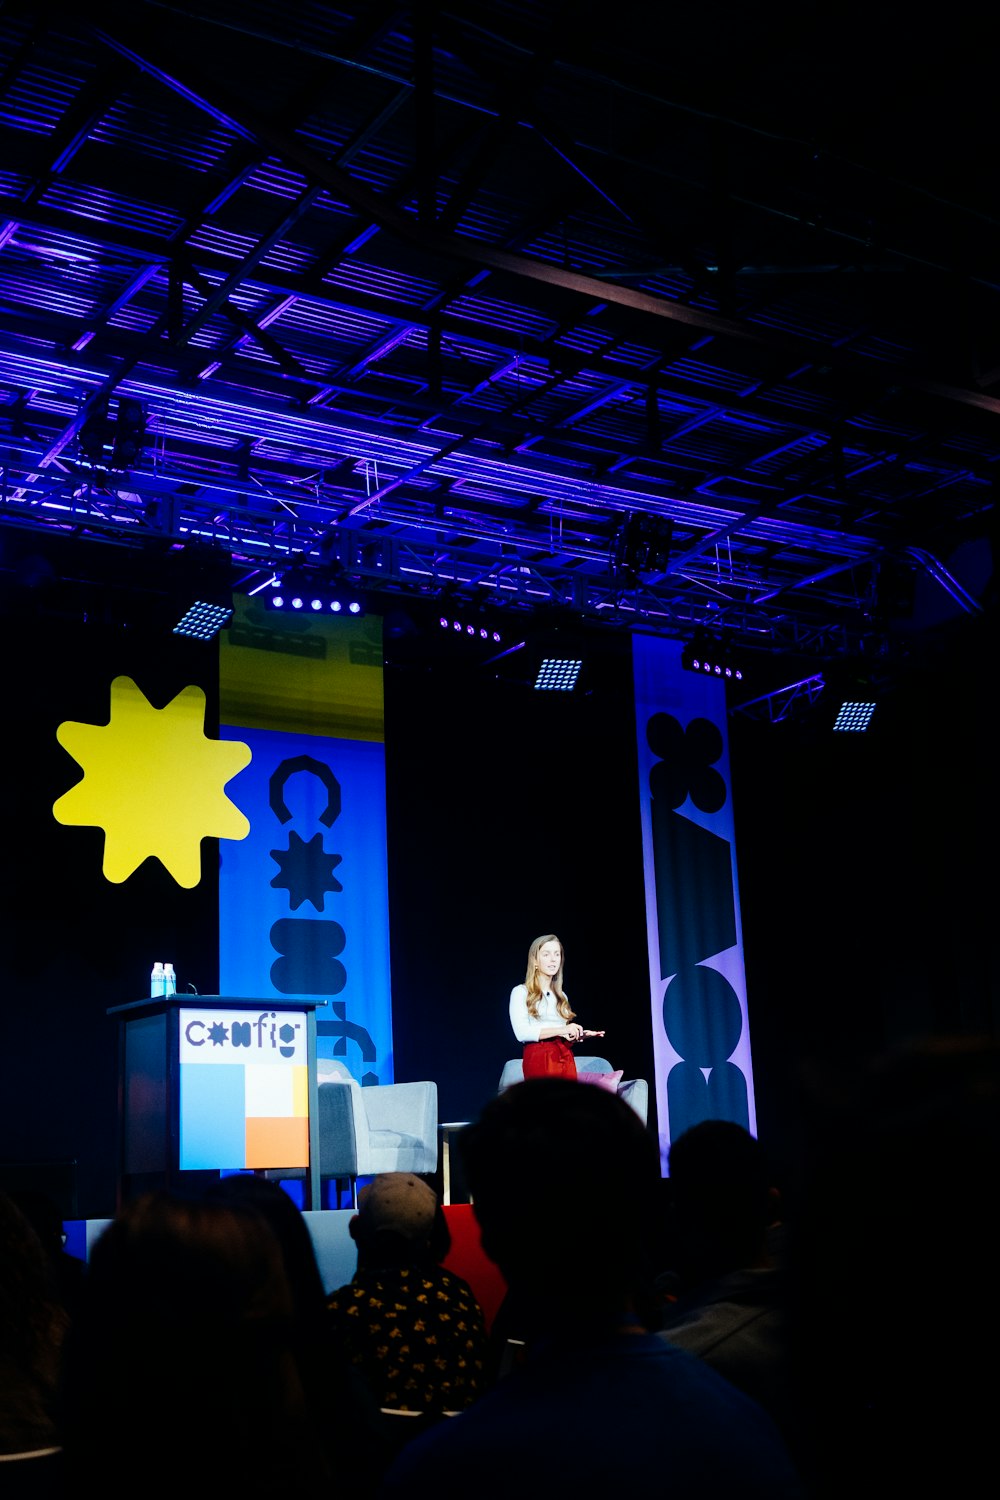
x,y
701,1040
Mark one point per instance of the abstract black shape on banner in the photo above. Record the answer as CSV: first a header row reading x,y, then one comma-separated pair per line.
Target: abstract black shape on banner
x,y
309,949
291,767
687,762
349,1031
306,871
308,962
695,909
696,920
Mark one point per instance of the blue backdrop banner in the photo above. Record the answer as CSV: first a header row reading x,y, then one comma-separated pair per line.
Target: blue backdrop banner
x,y
303,899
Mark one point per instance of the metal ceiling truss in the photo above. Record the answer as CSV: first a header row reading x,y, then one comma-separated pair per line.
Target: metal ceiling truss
x,y
369,338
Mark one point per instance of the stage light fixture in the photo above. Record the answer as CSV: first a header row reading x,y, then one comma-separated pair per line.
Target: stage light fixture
x,y
854,717
117,443
710,658
203,620
292,596
643,547
474,629
558,674
130,433
95,436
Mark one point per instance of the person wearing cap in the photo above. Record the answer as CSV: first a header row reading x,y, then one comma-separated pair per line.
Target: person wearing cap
x,y
413,1329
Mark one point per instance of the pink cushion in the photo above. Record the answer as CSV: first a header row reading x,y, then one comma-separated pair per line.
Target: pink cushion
x,y
609,1081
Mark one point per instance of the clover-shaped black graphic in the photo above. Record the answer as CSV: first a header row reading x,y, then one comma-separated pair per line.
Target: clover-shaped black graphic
x,y
687,762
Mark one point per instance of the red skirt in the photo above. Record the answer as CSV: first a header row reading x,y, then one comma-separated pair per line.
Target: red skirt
x,y
552,1058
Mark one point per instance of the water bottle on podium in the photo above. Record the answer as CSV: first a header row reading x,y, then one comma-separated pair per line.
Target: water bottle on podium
x,y
157,982
169,980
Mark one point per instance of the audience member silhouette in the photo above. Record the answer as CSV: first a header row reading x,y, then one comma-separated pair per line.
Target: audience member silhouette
x,y
33,1324
42,1212
415,1330
565,1184
343,1410
894,1245
728,1274
181,1361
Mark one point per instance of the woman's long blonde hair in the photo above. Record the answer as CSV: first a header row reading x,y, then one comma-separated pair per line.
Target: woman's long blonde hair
x,y
534,988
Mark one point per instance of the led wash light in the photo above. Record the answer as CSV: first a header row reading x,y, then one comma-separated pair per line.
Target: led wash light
x,y
854,717
710,658
469,628
307,602
203,621
558,674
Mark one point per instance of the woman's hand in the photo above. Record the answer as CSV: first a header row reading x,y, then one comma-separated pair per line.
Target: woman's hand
x,y
576,1033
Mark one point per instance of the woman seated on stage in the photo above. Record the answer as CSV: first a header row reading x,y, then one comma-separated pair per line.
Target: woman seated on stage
x,y
541,1015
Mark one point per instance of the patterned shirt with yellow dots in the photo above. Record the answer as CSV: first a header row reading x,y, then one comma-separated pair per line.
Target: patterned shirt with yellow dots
x,y
417,1335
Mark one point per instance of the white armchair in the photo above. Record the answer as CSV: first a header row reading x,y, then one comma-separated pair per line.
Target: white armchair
x,y
635,1091
389,1127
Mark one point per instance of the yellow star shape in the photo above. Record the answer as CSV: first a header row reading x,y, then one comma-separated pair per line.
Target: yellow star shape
x,y
153,781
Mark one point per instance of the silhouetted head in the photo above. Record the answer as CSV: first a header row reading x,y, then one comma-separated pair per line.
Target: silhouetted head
x,y
32,1327
723,1199
246,1190
564,1183
181,1353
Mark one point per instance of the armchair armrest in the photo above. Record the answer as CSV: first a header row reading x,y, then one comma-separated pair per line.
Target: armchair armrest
x,y
343,1126
635,1091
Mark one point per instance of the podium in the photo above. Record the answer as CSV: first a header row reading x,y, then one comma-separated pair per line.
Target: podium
x,y
214,1083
